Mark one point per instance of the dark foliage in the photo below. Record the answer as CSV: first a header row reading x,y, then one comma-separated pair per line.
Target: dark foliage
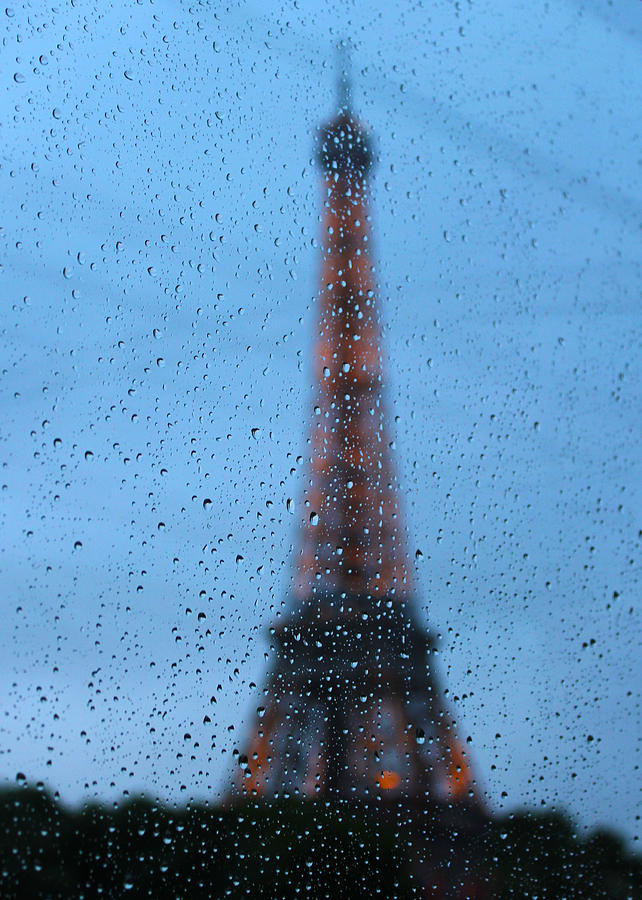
x,y
292,850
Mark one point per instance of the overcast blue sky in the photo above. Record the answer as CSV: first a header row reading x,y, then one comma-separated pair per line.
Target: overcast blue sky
x,y
160,215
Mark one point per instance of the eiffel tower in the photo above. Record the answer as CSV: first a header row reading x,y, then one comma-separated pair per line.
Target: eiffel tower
x,y
353,706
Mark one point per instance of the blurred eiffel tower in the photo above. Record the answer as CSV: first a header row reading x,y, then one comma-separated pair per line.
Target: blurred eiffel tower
x,y
353,709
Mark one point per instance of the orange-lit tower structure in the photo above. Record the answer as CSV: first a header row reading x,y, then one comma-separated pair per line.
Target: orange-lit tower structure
x,y
353,709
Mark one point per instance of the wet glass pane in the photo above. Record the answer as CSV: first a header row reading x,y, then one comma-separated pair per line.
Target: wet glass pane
x,y
320,457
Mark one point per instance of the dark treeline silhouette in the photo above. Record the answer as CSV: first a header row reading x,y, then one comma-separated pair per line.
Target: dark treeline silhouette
x,y
291,849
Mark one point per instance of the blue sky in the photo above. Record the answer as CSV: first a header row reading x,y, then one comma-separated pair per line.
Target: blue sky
x,y
160,214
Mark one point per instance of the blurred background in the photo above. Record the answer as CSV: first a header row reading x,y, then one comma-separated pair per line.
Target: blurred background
x,y
160,251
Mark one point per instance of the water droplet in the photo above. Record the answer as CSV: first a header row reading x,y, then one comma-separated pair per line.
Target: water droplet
x,y
314,519
207,503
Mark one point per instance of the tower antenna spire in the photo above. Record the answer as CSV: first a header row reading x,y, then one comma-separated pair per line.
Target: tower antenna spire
x,y
344,72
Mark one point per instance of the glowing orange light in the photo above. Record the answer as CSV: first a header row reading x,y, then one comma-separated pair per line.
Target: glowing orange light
x,y
388,781
458,773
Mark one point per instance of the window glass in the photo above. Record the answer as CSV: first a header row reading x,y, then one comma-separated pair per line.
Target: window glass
x,y
187,461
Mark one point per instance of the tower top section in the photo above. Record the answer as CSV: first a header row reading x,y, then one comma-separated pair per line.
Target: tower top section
x,y
352,553
344,145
